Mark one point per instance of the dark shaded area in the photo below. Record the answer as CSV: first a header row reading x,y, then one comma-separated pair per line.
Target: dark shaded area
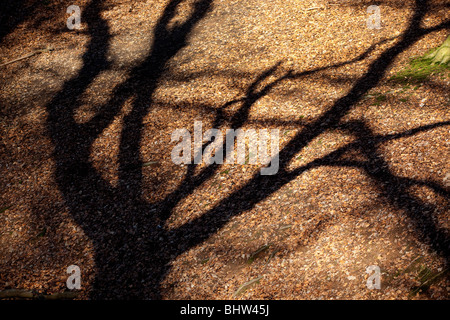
x,y
36,12
12,13
132,248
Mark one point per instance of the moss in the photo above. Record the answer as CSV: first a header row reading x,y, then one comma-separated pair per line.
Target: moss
x,y
440,55
434,61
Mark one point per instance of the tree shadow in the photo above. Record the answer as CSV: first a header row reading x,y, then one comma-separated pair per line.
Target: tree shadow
x,y
133,249
115,219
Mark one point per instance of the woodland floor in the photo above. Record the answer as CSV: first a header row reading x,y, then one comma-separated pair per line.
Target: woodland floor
x,y
86,176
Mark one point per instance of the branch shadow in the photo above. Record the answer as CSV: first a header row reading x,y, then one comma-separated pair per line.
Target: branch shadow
x,y
395,188
260,187
133,250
